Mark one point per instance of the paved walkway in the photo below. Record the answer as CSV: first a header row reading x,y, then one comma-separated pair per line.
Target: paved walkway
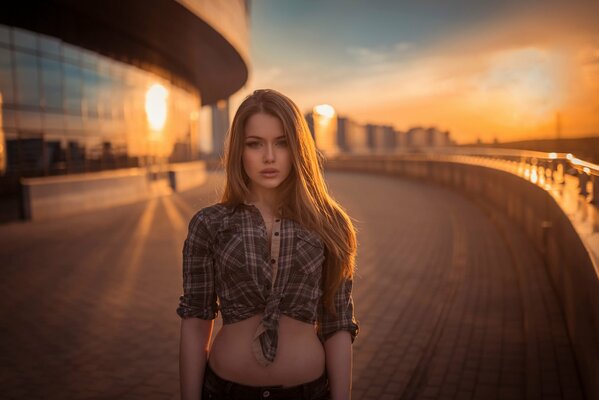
x,y
452,301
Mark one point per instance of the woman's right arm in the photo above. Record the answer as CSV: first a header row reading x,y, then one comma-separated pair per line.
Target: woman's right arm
x,y
197,306
193,355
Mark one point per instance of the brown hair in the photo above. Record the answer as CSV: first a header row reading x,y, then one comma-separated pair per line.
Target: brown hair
x,y
303,196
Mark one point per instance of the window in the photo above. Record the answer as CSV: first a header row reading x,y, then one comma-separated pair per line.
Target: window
x,y
28,92
24,39
4,34
6,83
49,46
72,88
52,84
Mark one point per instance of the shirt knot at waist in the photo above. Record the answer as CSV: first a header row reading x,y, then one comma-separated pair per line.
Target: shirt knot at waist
x,y
265,341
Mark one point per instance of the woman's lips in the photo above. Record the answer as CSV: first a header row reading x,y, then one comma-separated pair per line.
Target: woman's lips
x,y
270,174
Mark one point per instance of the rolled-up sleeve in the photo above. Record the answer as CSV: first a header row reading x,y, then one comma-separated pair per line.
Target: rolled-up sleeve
x,y
345,318
199,295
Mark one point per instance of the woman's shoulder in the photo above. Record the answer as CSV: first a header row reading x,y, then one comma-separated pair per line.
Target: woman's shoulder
x,y
212,215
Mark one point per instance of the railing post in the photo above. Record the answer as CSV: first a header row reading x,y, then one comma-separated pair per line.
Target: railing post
x,y
560,178
583,178
595,180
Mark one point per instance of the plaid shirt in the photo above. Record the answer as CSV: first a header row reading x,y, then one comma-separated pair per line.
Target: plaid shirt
x,y
226,257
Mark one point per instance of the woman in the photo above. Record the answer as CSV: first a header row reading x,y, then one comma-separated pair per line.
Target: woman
x,y
276,257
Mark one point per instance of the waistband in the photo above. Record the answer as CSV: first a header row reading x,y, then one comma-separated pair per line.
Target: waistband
x,y
236,390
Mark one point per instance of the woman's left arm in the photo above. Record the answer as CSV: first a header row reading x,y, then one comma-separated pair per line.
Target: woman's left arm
x,y
337,333
338,350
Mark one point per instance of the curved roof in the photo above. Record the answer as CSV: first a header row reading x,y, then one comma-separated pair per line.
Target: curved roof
x,y
171,38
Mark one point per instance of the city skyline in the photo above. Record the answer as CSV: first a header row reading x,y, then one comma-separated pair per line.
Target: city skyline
x,y
480,70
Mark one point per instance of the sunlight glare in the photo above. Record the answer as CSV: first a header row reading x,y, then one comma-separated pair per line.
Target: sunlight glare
x,y
325,110
156,106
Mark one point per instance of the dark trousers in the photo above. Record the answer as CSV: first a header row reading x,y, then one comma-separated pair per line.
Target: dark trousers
x,y
217,388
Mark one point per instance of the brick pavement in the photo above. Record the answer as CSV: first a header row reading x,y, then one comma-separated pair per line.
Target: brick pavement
x,y
452,301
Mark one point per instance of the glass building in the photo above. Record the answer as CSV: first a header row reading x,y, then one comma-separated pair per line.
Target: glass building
x,y
87,86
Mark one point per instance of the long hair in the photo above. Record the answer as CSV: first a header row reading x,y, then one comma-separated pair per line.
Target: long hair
x,y
303,195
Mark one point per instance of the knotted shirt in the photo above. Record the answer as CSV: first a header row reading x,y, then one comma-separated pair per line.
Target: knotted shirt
x,y
228,266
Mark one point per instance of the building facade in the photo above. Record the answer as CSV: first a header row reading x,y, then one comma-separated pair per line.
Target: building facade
x,y
419,137
87,86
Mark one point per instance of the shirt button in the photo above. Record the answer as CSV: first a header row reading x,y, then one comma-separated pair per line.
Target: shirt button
x,y
276,233
266,393
272,261
277,220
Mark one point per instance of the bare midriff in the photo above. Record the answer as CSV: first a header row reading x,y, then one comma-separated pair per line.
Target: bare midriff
x,y
300,355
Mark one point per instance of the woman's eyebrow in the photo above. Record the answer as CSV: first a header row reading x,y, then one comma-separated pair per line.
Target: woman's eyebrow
x,y
258,137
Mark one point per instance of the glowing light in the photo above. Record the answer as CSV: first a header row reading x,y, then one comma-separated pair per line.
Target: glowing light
x,y
156,106
533,176
553,156
325,110
587,170
325,128
569,156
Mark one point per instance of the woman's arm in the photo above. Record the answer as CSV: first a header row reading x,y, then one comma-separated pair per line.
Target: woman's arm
x,y
193,354
337,334
338,350
197,306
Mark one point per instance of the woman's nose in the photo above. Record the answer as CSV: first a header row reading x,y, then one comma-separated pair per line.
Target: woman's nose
x,y
269,152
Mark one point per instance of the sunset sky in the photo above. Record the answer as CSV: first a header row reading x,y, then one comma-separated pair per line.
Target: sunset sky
x,y
481,69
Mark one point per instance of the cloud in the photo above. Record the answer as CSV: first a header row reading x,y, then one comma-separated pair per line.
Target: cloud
x,y
379,54
505,78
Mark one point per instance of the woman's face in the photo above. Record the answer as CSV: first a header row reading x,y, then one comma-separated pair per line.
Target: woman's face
x,y
265,148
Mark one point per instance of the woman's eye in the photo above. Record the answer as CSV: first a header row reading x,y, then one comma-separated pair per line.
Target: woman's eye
x,y
251,144
283,143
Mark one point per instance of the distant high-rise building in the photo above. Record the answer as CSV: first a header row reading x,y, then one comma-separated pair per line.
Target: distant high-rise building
x,y
427,137
401,140
220,126
323,124
352,137
310,121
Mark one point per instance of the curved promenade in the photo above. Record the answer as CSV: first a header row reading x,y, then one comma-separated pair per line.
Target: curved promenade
x,y
453,300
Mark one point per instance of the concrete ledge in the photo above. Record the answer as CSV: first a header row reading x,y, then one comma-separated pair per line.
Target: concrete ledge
x,y
57,196
570,263
185,176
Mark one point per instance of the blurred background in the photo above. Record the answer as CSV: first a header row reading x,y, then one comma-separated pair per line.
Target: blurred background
x,y
87,89
462,137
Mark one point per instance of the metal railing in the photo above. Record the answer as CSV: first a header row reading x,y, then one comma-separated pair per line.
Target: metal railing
x,y
539,167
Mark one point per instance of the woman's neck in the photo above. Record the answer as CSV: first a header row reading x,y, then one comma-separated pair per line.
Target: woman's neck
x,y
264,199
